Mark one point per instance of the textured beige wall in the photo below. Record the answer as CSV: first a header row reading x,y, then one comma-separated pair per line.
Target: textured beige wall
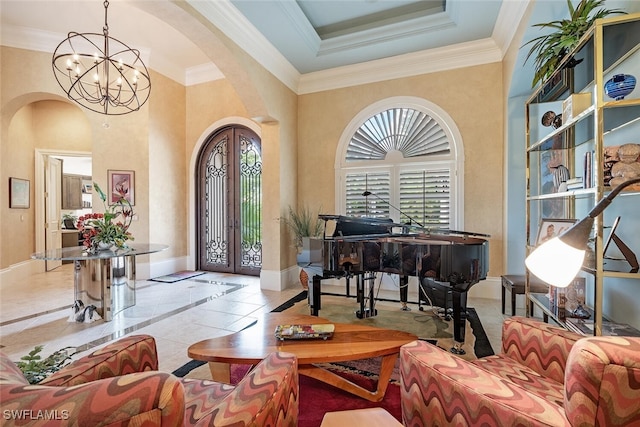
x,y
18,225
46,125
167,167
474,99
52,122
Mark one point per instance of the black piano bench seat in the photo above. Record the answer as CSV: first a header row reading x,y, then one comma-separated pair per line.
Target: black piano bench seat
x,y
514,283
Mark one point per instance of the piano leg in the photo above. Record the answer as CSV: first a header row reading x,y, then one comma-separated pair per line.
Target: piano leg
x,y
404,292
364,280
459,302
314,295
348,280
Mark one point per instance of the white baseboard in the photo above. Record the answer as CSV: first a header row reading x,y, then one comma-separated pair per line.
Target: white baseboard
x,y
489,288
273,280
21,271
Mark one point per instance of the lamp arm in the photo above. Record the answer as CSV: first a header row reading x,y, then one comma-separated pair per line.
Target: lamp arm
x,y
602,205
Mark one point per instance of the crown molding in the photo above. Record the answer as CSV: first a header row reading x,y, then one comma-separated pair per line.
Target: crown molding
x,y
511,11
202,74
423,25
226,17
428,61
299,20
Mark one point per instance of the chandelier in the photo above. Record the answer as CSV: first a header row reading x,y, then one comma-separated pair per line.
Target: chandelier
x,y
101,73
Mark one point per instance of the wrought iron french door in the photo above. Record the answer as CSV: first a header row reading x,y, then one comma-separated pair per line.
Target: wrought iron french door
x,y
229,190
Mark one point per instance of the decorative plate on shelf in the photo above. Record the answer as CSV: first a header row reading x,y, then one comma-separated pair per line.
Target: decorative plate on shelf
x,y
302,332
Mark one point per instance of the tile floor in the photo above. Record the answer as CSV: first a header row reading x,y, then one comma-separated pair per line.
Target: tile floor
x,y
176,314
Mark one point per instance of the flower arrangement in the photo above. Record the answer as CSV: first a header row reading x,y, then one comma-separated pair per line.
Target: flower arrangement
x,y
103,230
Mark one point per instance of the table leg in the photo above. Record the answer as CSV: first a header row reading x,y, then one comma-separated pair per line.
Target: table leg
x,y
220,372
386,369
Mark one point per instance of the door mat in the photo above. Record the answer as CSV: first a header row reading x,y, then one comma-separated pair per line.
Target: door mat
x,y
176,277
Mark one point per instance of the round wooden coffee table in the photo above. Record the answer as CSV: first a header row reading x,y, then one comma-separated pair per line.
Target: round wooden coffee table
x,y
349,342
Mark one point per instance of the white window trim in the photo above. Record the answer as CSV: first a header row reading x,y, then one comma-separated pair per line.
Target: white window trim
x,y
455,159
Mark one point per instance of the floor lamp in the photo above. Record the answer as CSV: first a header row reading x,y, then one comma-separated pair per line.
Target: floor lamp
x,y
558,261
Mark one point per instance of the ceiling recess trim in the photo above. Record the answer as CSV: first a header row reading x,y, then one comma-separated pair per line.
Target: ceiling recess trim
x,y
429,61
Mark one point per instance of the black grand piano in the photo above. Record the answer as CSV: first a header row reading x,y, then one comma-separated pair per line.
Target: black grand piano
x,y
447,263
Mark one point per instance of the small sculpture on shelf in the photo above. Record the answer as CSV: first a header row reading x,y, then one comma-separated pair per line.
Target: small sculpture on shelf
x,y
551,119
628,165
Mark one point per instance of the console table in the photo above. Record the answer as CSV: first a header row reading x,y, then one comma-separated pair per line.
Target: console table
x,y
105,279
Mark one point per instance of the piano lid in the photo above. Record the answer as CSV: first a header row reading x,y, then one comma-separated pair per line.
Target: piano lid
x,y
354,226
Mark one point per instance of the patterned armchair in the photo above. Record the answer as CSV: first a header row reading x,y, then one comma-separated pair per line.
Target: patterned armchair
x,y
119,385
544,376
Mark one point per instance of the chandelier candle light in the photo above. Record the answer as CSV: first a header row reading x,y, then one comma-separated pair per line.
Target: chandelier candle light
x,y
101,73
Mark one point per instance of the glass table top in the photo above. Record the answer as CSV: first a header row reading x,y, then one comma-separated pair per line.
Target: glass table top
x,y
79,253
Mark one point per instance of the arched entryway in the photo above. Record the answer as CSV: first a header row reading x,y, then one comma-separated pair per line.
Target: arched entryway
x,y
229,202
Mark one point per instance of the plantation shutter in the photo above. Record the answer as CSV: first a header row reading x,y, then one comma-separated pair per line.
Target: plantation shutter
x,y
377,183
426,197
404,158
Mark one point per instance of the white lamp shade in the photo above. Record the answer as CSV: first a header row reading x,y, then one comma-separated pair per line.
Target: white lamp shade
x,y
555,262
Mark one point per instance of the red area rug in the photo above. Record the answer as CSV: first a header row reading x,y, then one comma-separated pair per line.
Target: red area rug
x,y
317,398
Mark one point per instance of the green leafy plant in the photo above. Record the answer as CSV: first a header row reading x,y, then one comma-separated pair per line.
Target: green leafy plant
x,y
35,368
550,49
303,223
99,228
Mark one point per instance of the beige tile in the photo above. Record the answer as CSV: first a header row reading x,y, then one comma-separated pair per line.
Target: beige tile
x,y
213,311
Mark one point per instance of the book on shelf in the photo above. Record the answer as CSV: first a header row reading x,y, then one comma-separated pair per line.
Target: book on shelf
x,y
587,181
575,183
575,294
587,327
564,301
557,302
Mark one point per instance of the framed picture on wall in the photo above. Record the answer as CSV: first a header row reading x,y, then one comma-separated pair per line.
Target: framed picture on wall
x,y
19,193
121,184
550,228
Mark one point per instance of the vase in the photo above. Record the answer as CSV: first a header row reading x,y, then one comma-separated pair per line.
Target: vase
x,y
104,246
620,86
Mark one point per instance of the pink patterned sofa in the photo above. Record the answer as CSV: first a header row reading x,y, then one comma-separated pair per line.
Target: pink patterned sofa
x,y
544,376
119,385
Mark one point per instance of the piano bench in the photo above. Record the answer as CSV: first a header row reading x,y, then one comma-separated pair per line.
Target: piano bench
x,y
514,283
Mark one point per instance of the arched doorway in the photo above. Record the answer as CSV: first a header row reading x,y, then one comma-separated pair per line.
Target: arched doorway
x,y
229,202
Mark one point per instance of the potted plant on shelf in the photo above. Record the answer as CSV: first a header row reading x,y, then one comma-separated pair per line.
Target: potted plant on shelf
x,y
549,50
69,221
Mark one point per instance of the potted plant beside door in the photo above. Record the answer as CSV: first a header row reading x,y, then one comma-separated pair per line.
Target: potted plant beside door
x,y
306,228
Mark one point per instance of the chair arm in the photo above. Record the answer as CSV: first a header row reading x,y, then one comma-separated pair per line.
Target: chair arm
x,y
439,388
136,353
538,345
149,397
266,396
602,382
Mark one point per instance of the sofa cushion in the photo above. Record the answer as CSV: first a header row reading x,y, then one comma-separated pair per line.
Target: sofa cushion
x,y
527,378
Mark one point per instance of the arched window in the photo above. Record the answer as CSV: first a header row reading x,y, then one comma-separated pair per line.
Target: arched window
x,y
407,153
